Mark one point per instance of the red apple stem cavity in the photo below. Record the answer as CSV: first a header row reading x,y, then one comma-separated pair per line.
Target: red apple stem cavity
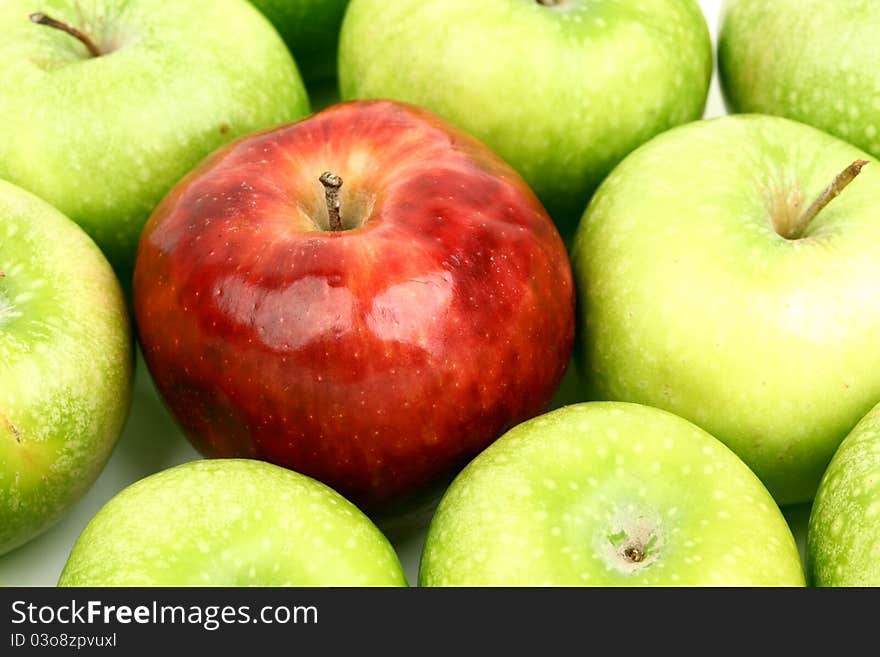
x,y
332,183
42,19
831,192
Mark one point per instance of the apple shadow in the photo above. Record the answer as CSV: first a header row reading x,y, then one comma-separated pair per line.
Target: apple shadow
x,y
798,518
151,439
572,389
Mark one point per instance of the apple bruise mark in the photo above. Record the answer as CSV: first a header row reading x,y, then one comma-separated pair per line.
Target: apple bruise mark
x,y
42,19
11,427
5,307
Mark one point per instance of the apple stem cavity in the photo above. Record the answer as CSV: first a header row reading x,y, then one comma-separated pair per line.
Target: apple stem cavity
x,y
332,183
43,19
831,192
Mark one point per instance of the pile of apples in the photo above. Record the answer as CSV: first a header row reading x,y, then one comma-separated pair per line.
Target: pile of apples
x,y
348,310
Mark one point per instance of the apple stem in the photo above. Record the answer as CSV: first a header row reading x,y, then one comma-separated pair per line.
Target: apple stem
x,y
42,19
332,183
831,192
549,3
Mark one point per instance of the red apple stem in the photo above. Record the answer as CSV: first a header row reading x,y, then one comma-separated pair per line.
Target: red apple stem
x,y
332,183
831,192
42,19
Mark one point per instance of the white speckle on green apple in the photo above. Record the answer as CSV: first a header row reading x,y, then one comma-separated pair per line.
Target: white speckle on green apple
x,y
500,523
103,138
843,541
65,364
561,90
790,58
245,523
726,273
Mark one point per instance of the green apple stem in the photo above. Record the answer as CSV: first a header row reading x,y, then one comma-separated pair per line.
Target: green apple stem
x,y
550,3
831,192
42,19
332,183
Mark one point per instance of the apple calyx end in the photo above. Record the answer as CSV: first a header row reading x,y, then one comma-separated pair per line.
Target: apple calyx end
x,y
332,183
633,553
635,543
42,19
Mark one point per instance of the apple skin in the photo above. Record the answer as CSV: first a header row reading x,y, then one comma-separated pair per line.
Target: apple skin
x,y
104,139
230,522
310,28
843,541
814,61
559,499
561,93
66,361
690,301
377,358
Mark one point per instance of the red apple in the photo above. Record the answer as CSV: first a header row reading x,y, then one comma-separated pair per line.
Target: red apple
x,y
375,357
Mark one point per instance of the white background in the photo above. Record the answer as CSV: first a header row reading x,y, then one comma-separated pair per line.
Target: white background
x,y
151,442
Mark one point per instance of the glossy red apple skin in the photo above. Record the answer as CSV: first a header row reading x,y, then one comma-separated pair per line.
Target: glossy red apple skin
x,y
376,358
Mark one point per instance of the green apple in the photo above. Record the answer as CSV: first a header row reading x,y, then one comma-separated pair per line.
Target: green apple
x,y
561,89
717,281
231,522
843,541
104,137
608,494
65,364
311,30
811,60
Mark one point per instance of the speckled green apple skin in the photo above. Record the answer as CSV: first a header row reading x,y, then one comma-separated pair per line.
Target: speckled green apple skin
x,y
66,362
811,60
231,522
554,500
689,300
562,93
310,29
103,139
843,541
